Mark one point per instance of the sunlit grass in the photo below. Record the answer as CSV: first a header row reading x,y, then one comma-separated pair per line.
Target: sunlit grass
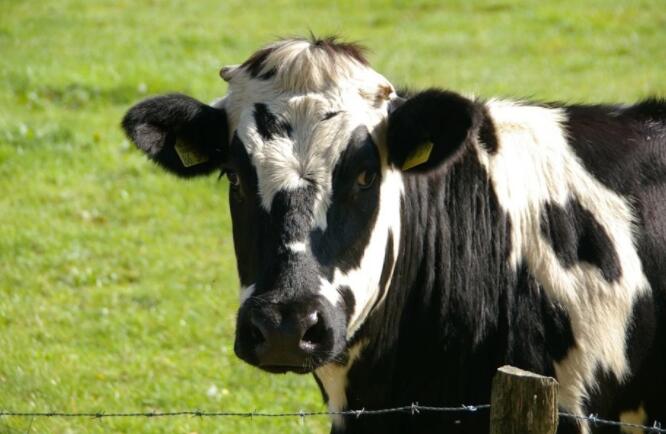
x,y
117,282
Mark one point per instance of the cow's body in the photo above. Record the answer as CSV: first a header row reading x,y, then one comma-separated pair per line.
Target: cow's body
x,y
485,279
531,235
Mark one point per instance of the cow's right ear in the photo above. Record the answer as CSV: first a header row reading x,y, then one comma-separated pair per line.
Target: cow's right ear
x,y
181,134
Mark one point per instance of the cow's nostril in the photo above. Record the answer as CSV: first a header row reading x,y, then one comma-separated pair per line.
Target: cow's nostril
x,y
256,334
316,334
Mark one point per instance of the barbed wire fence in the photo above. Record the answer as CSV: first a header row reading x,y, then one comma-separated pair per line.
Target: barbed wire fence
x,y
414,409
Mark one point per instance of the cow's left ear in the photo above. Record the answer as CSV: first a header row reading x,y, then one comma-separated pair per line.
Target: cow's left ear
x,y
179,133
430,128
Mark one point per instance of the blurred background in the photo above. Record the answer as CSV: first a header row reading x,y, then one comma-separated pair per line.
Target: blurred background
x,y
118,287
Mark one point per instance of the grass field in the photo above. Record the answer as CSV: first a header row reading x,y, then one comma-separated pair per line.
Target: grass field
x,y
117,282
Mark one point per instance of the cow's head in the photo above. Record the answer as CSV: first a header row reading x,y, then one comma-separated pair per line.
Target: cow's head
x,y
315,191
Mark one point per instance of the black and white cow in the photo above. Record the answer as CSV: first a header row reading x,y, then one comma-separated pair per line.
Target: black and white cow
x,y
402,247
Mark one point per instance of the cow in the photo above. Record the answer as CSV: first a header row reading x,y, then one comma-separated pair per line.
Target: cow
x,y
401,246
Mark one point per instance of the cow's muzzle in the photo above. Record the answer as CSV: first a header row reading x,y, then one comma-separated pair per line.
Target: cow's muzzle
x,y
282,337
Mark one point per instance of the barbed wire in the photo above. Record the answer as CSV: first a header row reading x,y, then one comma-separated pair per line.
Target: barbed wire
x,y
595,420
414,409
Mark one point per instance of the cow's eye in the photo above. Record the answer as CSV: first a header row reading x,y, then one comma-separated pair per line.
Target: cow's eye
x,y
365,179
234,179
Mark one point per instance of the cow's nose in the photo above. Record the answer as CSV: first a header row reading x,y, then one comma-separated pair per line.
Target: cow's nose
x,y
284,341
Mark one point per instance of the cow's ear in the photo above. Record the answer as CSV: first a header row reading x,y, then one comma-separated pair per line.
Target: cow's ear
x,y
181,134
429,129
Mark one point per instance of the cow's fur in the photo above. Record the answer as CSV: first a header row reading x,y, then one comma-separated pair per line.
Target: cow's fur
x,y
533,235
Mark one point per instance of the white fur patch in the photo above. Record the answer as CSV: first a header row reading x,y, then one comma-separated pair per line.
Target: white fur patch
x,y
333,379
298,246
245,293
329,291
535,165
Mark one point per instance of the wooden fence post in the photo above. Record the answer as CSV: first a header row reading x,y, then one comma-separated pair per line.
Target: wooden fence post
x,y
523,403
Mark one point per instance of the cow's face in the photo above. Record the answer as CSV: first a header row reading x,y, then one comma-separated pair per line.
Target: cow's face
x,y
312,200
315,195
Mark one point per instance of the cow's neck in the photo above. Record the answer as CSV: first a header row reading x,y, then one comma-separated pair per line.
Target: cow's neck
x,y
443,297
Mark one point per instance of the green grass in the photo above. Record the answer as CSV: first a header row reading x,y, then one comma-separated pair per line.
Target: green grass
x,y
117,282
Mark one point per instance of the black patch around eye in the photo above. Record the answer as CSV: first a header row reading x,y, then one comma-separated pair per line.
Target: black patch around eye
x,y
239,160
268,125
575,235
250,222
351,218
239,163
360,154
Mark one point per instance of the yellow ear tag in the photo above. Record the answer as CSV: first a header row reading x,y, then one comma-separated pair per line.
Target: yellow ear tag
x,y
188,155
418,156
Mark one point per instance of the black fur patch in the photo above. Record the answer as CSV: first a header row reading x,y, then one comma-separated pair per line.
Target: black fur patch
x,y
291,214
255,64
575,235
488,134
557,327
268,125
251,222
620,145
268,74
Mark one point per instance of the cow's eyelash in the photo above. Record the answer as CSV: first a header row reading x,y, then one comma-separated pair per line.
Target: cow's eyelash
x,y
329,115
